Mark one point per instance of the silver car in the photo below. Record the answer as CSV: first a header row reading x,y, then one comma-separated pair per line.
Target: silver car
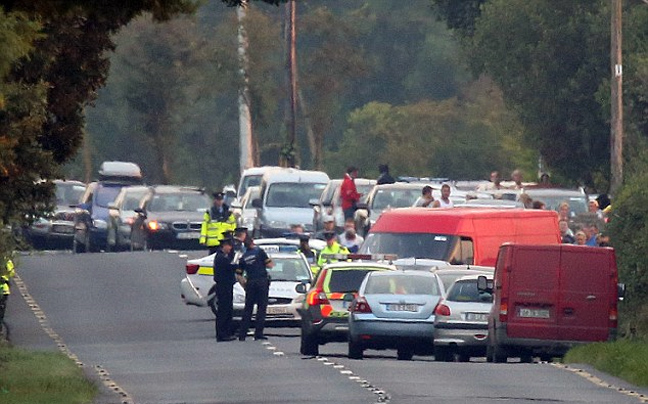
x,y
394,310
461,323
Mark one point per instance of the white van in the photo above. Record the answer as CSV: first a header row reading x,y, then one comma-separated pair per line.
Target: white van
x,y
284,200
252,177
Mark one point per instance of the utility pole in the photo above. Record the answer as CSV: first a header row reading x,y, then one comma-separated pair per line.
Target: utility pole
x,y
616,96
291,67
245,119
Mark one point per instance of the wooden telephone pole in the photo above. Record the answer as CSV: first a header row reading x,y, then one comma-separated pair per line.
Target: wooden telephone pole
x,y
616,96
246,154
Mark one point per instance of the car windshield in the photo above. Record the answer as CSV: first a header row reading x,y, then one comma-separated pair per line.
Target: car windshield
x,y
346,281
577,204
249,181
132,199
68,194
293,194
289,269
106,195
402,285
466,291
394,198
408,245
252,196
179,202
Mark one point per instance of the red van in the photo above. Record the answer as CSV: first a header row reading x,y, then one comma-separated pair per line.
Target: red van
x,y
459,235
548,298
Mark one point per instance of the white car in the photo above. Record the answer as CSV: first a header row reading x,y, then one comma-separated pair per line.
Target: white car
x,y
291,269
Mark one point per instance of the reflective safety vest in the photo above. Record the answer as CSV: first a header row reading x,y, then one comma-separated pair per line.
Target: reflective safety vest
x,y
334,249
212,229
312,260
6,273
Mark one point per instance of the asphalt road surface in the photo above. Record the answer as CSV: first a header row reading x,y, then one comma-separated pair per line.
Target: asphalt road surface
x,y
120,316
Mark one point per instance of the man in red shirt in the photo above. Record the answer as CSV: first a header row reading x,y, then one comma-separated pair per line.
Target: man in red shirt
x,y
349,193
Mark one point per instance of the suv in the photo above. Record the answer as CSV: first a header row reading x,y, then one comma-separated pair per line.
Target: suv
x,y
324,312
330,203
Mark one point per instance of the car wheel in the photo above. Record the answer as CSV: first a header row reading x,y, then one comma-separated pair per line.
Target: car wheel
x,y
355,350
489,353
77,247
443,354
211,300
111,241
404,354
499,354
526,356
309,345
462,357
546,358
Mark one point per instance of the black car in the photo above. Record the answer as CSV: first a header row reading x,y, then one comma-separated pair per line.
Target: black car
x,y
170,217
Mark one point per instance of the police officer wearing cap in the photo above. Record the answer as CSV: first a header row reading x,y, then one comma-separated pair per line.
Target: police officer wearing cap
x,y
254,263
224,276
332,247
216,221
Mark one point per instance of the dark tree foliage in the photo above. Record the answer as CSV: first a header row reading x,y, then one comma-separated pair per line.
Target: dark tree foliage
x,y
236,3
459,15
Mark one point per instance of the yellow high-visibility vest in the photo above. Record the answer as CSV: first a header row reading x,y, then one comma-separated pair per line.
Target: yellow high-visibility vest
x,y
6,273
211,231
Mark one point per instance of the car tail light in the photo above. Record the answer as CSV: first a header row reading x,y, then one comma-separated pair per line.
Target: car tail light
x,y
317,297
503,310
153,225
192,269
613,317
442,310
361,306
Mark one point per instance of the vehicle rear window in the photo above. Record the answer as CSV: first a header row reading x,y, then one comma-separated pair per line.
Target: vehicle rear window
x,y
408,285
67,194
408,245
395,198
179,202
106,195
346,281
289,269
293,194
466,291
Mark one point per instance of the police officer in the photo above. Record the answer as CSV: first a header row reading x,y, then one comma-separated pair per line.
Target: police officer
x,y
332,247
6,273
216,221
224,276
254,263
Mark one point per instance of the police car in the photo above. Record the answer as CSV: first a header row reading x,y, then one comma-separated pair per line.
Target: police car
x,y
325,309
290,269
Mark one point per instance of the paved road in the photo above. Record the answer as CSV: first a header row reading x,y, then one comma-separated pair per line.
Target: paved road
x,y
121,316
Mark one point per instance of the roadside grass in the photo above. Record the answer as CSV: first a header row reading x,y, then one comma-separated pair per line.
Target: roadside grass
x,y
35,377
625,359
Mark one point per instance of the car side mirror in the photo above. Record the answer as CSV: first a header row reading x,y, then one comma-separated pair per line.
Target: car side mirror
x,y
301,288
483,284
621,290
257,203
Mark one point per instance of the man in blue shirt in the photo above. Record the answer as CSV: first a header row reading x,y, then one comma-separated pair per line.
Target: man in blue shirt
x,y
254,264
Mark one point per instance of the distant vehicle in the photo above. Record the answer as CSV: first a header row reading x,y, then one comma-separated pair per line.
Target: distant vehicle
x,y
252,177
284,201
394,310
57,228
461,322
330,203
91,216
458,235
548,298
122,216
324,312
248,214
553,197
450,273
170,217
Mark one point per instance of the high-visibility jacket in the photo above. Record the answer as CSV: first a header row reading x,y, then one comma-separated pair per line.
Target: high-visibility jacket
x,y
6,273
334,249
215,224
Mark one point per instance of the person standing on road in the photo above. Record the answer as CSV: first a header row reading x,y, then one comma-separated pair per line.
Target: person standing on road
x,y
444,201
216,221
384,177
7,272
254,264
224,276
349,193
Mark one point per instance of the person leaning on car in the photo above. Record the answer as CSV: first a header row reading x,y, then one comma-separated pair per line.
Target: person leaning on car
x,y
254,264
216,221
225,277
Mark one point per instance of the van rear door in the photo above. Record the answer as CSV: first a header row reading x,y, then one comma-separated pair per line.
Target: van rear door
x,y
533,292
585,287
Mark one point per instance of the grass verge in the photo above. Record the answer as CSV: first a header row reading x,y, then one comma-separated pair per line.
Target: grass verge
x,y
28,377
625,359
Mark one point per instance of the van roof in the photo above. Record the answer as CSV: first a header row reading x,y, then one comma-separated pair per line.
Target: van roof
x,y
259,170
447,221
295,175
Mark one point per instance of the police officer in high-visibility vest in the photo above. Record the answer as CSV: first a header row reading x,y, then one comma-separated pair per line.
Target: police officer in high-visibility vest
x,y
332,247
7,272
224,276
216,221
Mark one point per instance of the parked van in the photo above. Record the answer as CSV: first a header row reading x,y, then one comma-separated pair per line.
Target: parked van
x,y
252,177
285,194
548,298
459,235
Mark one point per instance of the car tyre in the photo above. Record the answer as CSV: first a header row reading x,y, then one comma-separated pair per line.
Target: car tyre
x,y
355,350
499,354
489,354
443,354
404,354
309,345
77,248
211,300
462,357
546,357
526,357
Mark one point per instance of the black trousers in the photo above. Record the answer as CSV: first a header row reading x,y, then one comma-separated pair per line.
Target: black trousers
x,y
256,292
225,298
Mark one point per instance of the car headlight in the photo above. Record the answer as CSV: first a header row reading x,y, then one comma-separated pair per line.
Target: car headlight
x,y
100,224
278,224
154,225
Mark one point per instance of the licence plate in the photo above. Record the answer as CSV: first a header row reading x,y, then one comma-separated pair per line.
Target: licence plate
x,y
276,310
477,317
188,236
57,228
270,248
402,307
533,313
